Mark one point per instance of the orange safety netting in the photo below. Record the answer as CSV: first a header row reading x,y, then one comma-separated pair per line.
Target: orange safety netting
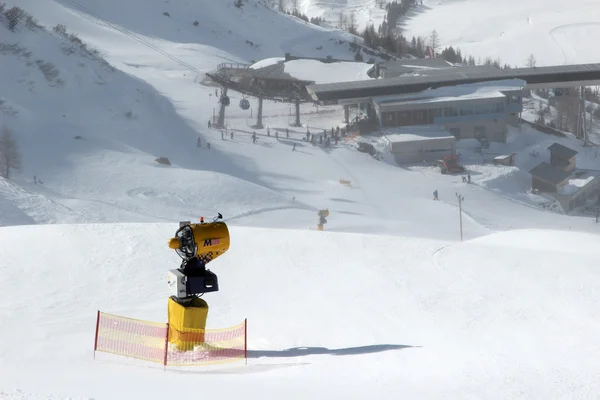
x,y
149,341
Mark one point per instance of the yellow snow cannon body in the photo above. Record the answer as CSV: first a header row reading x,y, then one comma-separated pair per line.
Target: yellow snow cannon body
x,y
205,241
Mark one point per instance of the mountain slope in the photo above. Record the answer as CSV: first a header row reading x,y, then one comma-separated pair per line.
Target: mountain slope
x,y
385,316
91,133
554,31
224,32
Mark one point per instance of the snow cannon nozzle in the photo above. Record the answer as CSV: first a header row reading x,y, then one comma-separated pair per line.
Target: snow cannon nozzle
x,y
205,241
197,245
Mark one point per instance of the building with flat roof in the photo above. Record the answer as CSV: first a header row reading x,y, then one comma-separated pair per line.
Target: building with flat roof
x,y
415,144
479,111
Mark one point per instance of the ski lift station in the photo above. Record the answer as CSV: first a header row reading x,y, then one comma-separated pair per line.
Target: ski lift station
x,y
465,102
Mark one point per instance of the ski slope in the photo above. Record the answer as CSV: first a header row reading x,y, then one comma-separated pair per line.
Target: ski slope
x,y
145,105
330,314
386,302
554,31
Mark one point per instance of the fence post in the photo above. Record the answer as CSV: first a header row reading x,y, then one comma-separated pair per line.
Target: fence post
x,y
96,335
246,340
166,346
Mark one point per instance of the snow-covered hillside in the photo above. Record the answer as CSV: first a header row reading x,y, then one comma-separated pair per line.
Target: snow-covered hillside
x,y
554,31
365,12
91,133
330,314
508,313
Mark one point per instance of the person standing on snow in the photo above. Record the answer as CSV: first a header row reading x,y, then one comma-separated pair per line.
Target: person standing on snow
x,y
294,149
435,195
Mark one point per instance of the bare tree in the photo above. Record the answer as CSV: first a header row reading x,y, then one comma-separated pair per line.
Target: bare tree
x,y
342,21
434,42
295,5
10,158
352,26
281,7
531,61
567,110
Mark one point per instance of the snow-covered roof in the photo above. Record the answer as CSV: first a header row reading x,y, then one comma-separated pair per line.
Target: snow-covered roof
x,y
330,72
455,93
504,157
311,70
416,133
396,68
266,62
579,179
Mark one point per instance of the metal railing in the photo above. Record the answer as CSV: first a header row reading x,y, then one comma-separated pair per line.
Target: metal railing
x,y
232,66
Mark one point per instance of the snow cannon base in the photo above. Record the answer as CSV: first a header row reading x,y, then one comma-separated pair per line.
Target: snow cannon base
x,y
187,322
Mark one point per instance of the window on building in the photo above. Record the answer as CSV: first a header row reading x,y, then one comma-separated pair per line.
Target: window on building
x,y
404,118
420,117
447,112
438,112
466,111
455,132
430,116
499,107
482,109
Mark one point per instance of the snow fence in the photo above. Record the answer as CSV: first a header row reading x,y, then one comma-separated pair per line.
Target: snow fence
x,y
149,341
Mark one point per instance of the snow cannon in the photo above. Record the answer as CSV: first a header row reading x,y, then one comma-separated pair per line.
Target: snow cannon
x,y
197,245
323,214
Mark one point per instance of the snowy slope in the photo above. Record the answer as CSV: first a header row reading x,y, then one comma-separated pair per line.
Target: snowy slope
x,y
366,12
224,32
554,31
337,313
91,133
508,315
110,174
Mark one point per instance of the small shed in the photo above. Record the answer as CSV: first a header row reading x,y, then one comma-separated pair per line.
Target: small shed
x,y
562,157
415,144
547,178
505,159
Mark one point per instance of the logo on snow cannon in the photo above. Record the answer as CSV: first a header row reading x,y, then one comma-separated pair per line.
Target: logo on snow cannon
x,y
203,240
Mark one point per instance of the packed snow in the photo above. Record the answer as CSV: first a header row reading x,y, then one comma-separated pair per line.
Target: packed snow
x,y
507,313
386,302
267,62
554,31
321,72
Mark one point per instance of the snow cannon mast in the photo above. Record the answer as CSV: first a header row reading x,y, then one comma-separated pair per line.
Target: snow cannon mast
x,y
197,245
